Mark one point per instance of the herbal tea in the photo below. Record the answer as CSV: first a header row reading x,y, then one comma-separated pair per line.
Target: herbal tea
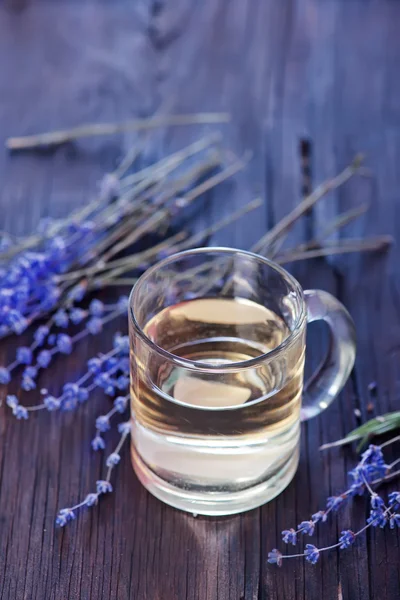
x,y
210,432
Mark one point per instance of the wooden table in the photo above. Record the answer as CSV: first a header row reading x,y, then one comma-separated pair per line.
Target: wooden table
x,y
320,76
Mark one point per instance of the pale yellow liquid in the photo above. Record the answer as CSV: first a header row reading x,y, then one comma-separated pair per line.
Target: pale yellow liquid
x,y
217,431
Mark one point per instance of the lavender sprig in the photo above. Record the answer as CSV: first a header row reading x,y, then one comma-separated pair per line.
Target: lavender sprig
x,y
370,471
96,316
103,486
109,372
103,421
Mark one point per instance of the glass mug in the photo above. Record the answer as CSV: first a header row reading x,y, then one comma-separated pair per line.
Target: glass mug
x,y
217,341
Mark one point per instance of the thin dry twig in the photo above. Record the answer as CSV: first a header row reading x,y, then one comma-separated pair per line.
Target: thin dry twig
x,y
344,247
119,267
196,239
55,138
267,241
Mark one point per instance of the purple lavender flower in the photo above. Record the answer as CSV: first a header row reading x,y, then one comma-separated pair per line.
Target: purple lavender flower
x,y
64,343
5,376
103,486
61,318
113,459
289,536
98,443
28,383
103,423
123,302
124,428
319,516
94,325
24,355
377,503
16,321
334,502
91,499
52,403
306,527
65,516
83,395
312,553
30,371
77,293
394,521
111,363
122,382
69,404
96,308
372,455
20,412
94,365
77,315
44,358
120,404
394,500
121,343
377,518
346,539
104,381
275,557
12,401
41,334
70,390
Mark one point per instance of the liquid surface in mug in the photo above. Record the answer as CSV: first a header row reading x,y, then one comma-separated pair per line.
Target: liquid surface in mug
x,y
224,430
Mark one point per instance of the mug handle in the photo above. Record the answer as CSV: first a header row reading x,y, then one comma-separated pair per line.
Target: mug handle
x,y
330,377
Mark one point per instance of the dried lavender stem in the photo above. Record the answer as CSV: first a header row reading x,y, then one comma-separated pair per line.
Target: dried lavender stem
x,y
157,218
99,283
194,240
199,237
131,261
126,162
287,222
344,219
345,247
76,216
173,160
127,225
217,178
55,138
191,242
340,221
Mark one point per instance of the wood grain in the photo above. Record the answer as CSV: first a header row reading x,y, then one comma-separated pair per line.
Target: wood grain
x,y
321,71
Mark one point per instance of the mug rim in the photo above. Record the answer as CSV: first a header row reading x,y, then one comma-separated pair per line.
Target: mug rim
x,y
234,366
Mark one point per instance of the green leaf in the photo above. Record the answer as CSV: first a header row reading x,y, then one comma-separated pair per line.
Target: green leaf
x,y
376,426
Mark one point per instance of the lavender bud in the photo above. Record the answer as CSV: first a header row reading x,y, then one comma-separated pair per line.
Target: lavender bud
x,y
5,376
44,358
64,343
96,308
103,487
113,460
41,334
24,355
91,499
103,423
61,318
98,443
120,404
94,325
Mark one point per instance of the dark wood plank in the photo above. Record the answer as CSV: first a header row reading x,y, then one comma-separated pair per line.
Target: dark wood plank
x,y
324,72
